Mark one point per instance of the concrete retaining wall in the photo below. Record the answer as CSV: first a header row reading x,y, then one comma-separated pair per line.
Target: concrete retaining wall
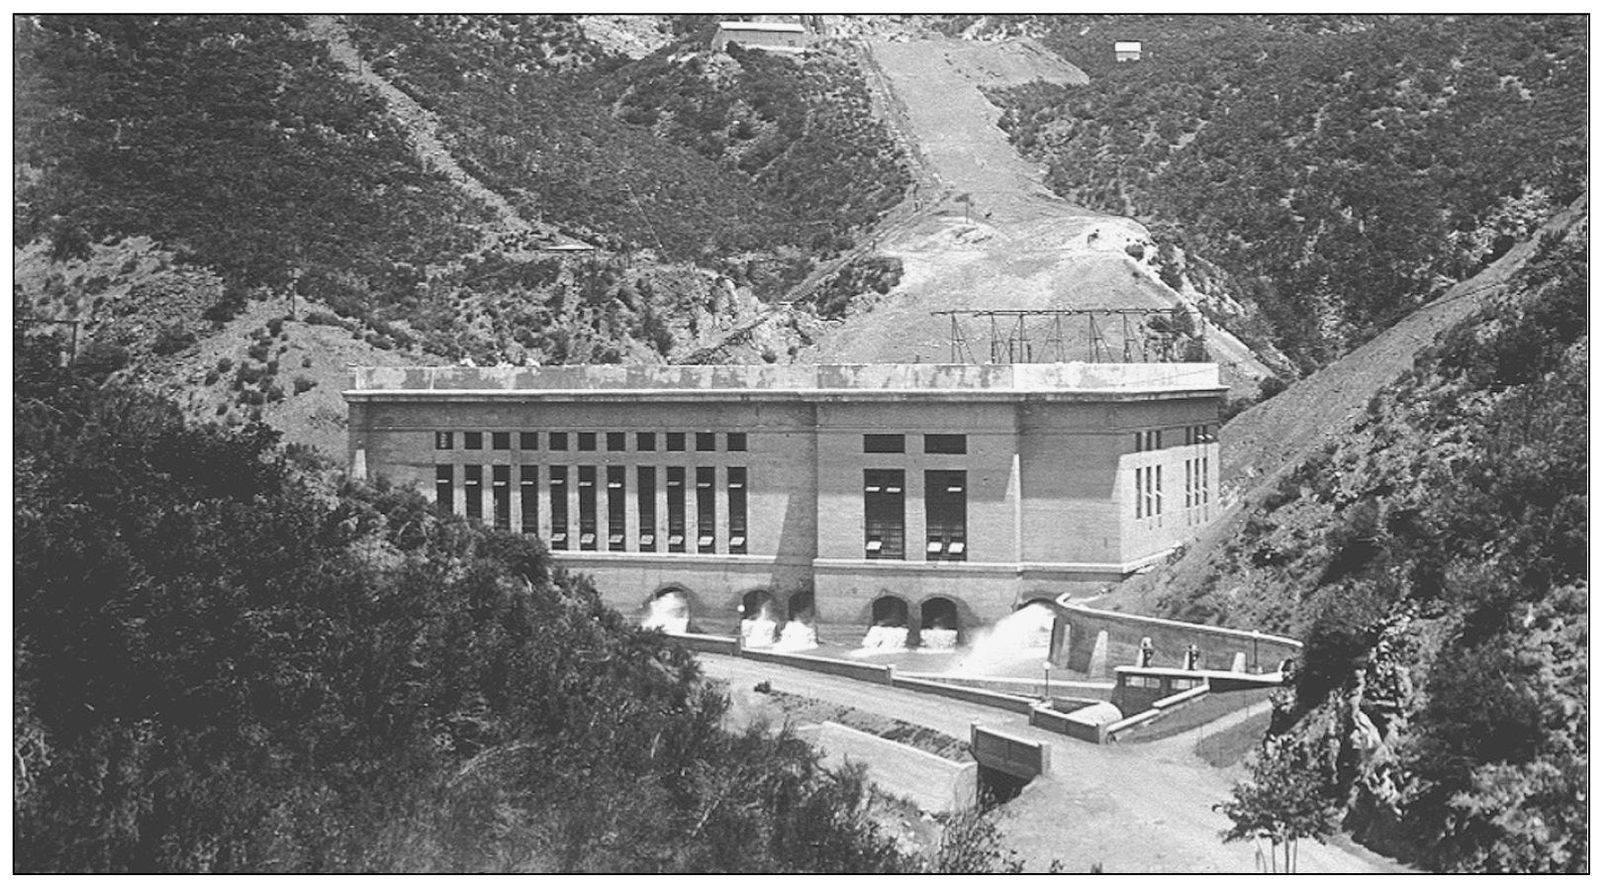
x,y
1034,687
706,643
1203,710
932,783
1022,758
1018,704
1081,632
876,674
1049,719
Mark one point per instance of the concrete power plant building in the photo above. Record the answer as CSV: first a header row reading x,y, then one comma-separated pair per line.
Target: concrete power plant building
x,y
917,495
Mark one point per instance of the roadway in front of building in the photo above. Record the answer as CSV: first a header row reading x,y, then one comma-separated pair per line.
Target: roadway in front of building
x,y
1144,807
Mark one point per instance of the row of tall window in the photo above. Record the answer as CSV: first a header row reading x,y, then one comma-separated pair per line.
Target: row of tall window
x,y
945,497
1195,481
1148,491
587,441
1145,441
1148,487
581,530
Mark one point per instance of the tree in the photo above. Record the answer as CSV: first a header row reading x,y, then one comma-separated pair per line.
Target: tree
x,y
1283,803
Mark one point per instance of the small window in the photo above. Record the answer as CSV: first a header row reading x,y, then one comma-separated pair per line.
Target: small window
x,y
615,441
737,442
645,441
676,441
945,444
704,441
883,443
499,440
530,440
1139,445
472,440
444,440
586,440
558,440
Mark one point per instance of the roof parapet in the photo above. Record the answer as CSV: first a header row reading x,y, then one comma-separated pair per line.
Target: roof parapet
x,y
759,379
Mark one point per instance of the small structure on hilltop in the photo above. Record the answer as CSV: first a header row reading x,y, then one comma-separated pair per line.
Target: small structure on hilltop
x,y
770,36
1127,50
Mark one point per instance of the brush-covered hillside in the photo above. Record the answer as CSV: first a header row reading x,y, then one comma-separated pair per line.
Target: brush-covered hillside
x,y
1434,561
189,187
1331,173
225,660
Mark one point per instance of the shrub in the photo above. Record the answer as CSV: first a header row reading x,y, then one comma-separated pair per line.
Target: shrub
x,y
302,384
172,339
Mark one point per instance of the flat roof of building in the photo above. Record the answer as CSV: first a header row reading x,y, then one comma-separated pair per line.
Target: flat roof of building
x,y
762,26
1054,381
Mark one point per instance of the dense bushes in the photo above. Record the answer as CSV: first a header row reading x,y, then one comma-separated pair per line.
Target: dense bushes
x,y
232,136
220,665
1435,564
694,154
1342,168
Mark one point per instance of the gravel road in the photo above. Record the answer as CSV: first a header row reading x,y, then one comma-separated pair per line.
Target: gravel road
x,y
1138,808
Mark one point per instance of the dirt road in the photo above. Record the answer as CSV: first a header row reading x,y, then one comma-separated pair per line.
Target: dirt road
x,y
1145,807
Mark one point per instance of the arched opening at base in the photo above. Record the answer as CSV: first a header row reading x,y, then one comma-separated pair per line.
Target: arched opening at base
x,y
940,624
760,619
891,625
670,610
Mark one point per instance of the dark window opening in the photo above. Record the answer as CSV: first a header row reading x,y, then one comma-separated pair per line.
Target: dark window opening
x,y
472,440
646,517
946,515
676,441
586,482
615,500
444,489
558,440
645,441
530,440
472,498
704,500
530,503
615,441
500,498
885,514
499,440
444,440
586,440
704,441
945,444
883,443
559,507
737,510
676,509
737,442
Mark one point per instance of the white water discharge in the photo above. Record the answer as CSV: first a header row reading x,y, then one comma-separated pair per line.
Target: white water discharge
x,y
1022,636
668,612
939,639
758,632
885,638
796,636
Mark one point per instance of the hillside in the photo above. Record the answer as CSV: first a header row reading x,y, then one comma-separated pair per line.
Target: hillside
x,y
982,231
1434,560
1336,171
183,181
